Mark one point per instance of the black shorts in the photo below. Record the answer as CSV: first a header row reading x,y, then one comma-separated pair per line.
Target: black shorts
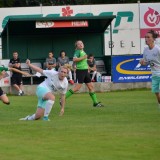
x,y
16,80
1,92
83,76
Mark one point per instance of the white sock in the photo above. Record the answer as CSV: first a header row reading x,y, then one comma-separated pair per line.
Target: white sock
x,y
48,108
32,117
94,73
74,74
20,91
70,75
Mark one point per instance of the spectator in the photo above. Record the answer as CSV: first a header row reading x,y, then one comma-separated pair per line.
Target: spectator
x,y
92,66
16,78
62,60
50,61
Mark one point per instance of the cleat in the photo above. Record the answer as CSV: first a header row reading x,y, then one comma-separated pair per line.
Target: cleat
x,y
25,118
46,119
98,105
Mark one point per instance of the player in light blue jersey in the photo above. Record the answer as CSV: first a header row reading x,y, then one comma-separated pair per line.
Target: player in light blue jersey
x,y
151,56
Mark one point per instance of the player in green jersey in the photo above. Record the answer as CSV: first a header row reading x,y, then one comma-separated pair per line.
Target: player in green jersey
x,y
82,74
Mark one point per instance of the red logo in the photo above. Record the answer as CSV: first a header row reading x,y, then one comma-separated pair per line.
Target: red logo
x,y
151,17
66,12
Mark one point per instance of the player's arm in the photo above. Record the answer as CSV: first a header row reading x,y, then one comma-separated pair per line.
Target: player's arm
x,y
143,62
17,65
62,97
94,68
77,59
37,69
2,68
18,71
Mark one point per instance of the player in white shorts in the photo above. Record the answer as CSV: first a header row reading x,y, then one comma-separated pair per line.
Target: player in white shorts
x,y
55,82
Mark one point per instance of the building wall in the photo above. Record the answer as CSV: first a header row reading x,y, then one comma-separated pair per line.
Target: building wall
x,y
126,28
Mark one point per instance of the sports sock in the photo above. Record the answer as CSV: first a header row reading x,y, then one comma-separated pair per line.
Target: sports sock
x,y
70,75
32,117
48,108
20,91
69,93
94,73
93,96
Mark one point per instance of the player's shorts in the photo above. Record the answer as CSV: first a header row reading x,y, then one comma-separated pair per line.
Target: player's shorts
x,y
83,76
16,80
155,84
1,92
41,92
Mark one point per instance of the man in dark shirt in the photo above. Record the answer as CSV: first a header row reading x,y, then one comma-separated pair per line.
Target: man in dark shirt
x,y
16,78
92,66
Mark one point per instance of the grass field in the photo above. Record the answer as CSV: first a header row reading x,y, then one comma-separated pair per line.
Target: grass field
x,y
127,128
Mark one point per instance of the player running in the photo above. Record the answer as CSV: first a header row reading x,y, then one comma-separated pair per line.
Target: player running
x,y
82,74
151,56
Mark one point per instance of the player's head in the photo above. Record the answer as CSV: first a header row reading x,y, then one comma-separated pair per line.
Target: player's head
x,y
79,45
150,37
63,72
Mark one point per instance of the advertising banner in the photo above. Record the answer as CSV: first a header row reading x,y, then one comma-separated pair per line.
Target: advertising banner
x,y
128,69
149,19
61,24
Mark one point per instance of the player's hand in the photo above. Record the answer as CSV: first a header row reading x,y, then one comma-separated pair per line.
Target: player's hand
x,y
142,62
28,61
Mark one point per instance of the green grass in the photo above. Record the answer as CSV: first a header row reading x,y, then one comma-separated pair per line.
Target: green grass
x,y
127,128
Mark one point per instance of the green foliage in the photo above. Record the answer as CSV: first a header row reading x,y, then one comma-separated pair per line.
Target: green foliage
x,y
127,128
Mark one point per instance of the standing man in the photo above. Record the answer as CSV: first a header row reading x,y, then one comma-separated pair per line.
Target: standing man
x,y
16,78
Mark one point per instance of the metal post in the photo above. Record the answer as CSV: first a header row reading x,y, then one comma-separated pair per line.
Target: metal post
x,y
111,47
111,36
7,41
